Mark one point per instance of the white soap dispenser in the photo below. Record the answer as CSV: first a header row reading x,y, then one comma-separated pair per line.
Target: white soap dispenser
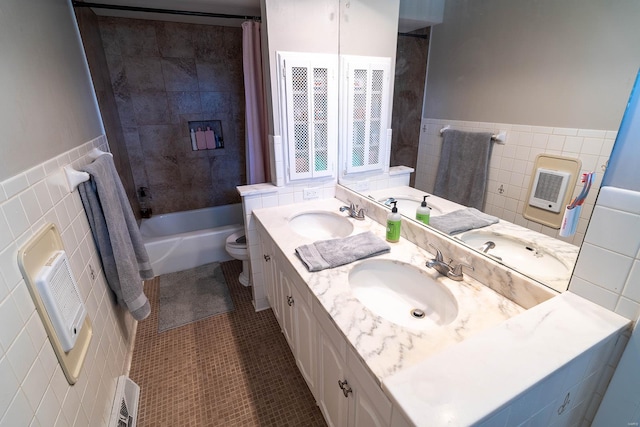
x,y
423,212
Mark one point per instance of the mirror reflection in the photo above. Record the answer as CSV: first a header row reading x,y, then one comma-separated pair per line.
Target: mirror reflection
x,y
495,66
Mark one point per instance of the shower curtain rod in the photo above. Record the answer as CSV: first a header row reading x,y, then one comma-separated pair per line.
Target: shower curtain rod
x,y
166,11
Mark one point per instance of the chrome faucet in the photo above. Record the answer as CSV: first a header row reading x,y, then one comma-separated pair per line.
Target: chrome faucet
x,y
453,273
354,211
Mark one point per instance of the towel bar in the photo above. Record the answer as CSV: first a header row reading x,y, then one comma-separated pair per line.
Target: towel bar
x,y
499,137
75,177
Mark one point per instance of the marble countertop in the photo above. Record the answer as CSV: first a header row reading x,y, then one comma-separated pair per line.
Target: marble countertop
x,y
385,347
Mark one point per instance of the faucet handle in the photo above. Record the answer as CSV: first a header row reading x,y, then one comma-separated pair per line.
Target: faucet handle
x,y
456,272
438,253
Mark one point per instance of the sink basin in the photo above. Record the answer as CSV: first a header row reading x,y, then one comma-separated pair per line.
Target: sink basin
x,y
321,225
400,293
520,254
407,205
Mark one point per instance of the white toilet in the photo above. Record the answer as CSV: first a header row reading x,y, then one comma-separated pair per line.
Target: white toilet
x,y
236,246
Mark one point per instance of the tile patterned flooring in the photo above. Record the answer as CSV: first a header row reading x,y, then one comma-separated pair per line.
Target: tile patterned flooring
x,y
232,369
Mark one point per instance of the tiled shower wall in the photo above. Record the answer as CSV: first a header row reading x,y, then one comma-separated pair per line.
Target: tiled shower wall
x,y
512,163
408,93
92,43
33,388
165,74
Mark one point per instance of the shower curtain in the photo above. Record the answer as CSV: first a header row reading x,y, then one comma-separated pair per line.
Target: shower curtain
x,y
258,163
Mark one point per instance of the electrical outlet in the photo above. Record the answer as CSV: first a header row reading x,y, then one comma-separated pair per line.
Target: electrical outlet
x,y
310,193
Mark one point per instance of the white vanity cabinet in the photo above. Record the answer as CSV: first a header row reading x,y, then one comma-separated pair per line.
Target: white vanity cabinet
x,y
291,303
346,392
366,116
309,117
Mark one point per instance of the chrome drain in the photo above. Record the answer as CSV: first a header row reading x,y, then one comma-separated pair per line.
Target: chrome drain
x,y
417,313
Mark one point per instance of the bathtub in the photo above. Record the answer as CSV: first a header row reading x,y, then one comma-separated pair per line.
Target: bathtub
x,y
183,240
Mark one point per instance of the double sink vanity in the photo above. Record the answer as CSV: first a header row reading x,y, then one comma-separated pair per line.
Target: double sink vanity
x,y
387,341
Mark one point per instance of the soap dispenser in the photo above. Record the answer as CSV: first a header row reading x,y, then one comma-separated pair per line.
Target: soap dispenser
x,y
423,212
393,224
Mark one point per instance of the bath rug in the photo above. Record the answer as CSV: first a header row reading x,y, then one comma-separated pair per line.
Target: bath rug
x,y
191,295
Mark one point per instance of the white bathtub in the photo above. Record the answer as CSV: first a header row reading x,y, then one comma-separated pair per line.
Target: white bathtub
x,y
182,240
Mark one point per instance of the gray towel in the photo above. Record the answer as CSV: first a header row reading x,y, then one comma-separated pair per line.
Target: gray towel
x,y
464,167
462,220
333,253
115,231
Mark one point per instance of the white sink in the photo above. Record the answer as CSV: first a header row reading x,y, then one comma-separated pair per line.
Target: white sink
x,y
397,292
407,205
520,254
321,225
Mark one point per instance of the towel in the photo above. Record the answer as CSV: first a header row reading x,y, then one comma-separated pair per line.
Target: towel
x,y
464,167
124,258
333,253
461,220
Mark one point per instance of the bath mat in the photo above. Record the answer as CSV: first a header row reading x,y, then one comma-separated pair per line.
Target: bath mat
x,y
190,295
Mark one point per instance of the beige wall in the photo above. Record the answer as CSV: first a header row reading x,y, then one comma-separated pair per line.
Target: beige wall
x,y
47,105
545,63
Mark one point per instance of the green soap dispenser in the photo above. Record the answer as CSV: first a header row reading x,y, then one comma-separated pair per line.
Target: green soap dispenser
x,y
393,224
423,212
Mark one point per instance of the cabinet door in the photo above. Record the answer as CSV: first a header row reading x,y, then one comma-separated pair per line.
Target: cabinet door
x,y
268,270
331,368
362,411
367,83
309,114
305,339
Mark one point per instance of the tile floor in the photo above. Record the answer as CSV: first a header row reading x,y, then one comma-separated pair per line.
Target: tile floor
x,y
232,369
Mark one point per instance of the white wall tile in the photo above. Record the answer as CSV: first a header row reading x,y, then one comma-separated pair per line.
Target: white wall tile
x,y
610,229
15,184
593,293
19,412
603,267
16,216
9,383
632,287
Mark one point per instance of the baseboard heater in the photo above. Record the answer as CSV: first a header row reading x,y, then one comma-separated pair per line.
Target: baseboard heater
x,y
124,411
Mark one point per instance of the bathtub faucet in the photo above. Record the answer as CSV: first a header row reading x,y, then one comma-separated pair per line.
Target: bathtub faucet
x,y
354,211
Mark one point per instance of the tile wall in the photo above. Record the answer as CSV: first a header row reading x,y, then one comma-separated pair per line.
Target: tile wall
x,y
165,74
608,268
512,163
34,390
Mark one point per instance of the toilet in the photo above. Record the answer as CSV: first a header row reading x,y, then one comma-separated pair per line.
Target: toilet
x,y
236,246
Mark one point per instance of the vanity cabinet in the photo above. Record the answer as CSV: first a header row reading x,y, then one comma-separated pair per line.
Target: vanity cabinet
x,y
345,391
366,116
309,100
291,304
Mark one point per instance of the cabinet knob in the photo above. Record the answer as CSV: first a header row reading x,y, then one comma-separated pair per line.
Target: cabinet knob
x,y
346,389
267,258
290,300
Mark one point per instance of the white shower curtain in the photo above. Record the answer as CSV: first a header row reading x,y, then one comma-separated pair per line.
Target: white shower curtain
x,y
258,163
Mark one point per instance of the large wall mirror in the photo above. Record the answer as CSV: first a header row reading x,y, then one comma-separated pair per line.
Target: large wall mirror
x,y
555,77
